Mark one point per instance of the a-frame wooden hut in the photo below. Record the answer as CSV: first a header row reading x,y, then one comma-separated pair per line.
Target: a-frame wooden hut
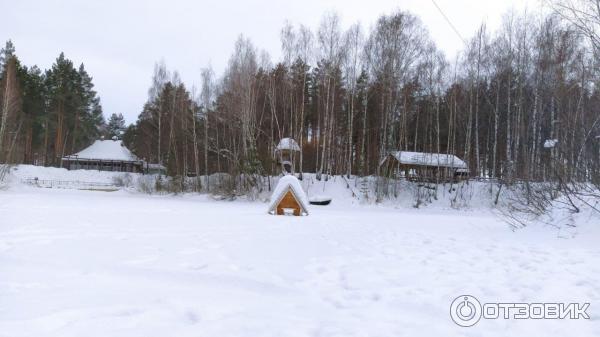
x,y
288,198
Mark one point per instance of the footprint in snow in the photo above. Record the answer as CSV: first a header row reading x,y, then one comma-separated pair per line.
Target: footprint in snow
x,y
191,317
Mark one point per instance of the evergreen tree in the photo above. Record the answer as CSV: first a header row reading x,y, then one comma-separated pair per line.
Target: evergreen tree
x,y
74,115
116,126
92,120
49,114
34,111
6,53
10,106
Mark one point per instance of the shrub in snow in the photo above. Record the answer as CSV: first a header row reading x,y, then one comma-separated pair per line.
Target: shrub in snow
x,y
4,170
146,184
193,184
221,183
463,195
174,185
124,180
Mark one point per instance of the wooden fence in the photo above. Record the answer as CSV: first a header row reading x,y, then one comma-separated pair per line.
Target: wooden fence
x,y
70,184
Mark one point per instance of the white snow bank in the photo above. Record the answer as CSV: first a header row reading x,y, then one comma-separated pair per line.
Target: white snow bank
x,y
21,172
63,178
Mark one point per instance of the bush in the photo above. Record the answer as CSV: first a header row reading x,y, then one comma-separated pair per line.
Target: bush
x,y
146,184
124,180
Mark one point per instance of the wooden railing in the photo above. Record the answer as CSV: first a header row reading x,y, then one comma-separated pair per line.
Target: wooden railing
x,y
70,184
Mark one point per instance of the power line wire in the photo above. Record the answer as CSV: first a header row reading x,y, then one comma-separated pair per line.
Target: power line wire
x,y
449,22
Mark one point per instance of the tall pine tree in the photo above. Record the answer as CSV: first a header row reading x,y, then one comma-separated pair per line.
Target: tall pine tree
x,y
115,126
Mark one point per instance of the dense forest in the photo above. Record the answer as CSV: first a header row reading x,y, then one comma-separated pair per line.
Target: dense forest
x,y
45,114
349,97
519,103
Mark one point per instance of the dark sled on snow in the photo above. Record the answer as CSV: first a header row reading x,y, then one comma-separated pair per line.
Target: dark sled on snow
x,y
320,201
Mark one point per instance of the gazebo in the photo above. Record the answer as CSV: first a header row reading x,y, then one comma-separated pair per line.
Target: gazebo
x,y
104,155
425,167
285,154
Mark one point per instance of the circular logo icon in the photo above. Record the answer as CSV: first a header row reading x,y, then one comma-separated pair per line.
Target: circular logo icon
x,y
465,310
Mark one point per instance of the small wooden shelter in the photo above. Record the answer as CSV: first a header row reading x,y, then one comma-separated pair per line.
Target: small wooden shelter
x,y
286,153
288,198
424,167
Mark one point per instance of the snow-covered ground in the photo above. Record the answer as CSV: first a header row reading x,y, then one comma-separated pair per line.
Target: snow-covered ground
x,y
22,172
87,263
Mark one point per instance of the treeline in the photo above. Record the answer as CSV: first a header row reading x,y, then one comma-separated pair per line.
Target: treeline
x,y
45,114
520,103
349,97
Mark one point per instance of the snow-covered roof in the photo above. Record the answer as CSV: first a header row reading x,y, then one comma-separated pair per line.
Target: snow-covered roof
x,y
429,159
287,144
155,166
105,150
285,184
550,143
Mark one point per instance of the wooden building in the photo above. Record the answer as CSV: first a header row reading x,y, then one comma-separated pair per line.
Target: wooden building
x,y
288,198
104,155
424,167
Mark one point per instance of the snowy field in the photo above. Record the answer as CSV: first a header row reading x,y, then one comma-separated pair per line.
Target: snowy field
x,y
84,263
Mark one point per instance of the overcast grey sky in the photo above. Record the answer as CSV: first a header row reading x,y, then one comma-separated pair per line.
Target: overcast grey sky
x,y
119,41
